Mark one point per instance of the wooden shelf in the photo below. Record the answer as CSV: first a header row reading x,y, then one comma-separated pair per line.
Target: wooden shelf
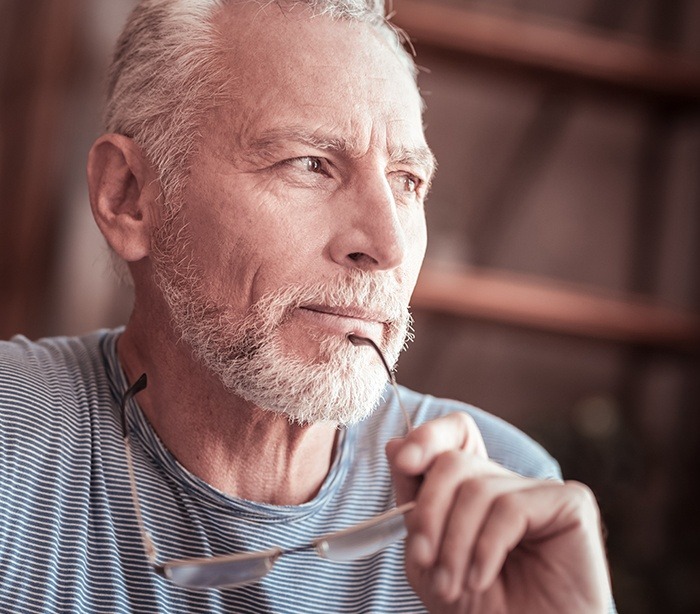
x,y
552,47
546,305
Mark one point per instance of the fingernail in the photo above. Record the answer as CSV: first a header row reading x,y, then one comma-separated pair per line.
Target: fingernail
x,y
411,455
420,551
441,582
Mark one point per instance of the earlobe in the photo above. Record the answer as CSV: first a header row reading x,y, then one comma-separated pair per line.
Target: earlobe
x,y
123,195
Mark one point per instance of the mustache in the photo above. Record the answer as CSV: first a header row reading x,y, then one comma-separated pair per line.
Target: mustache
x,y
379,295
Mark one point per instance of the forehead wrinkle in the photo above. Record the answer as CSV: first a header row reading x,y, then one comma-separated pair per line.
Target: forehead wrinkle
x,y
315,139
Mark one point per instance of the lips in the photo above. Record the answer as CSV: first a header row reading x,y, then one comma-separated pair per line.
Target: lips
x,y
344,320
355,313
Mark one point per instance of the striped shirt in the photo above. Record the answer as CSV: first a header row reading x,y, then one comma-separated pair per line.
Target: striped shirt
x,y
69,541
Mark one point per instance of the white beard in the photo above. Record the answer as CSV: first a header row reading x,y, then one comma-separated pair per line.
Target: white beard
x,y
342,384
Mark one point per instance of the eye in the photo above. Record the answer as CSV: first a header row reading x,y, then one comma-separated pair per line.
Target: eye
x,y
311,164
410,183
307,172
407,183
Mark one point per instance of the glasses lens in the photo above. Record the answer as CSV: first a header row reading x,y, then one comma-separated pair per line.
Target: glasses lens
x,y
366,538
223,571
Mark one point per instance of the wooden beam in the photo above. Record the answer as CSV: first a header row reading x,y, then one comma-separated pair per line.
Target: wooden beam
x,y
558,307
553,47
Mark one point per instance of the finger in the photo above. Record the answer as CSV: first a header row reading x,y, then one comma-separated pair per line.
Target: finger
x,y
502,531
434,502
405,486
561,519
438,500
471,509
420,447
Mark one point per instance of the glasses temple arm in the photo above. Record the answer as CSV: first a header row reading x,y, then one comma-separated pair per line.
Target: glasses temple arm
x,y
151,552
357,340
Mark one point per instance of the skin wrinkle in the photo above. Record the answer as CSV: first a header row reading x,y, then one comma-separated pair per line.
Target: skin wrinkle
x,y
190,318
418,158
264,258
242,231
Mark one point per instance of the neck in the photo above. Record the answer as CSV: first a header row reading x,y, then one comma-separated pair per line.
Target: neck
x,y
231,444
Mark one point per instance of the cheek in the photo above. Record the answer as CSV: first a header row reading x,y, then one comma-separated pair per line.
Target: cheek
x,y
416,242
225,271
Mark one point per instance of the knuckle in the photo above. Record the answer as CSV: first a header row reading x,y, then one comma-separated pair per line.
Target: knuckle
x,y
507,504
464,425
470,438
457,466
583,502
474,489
450,431
423,434
581,494
465,420
449,461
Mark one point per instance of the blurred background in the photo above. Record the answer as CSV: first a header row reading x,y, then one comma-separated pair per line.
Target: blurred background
x,y
561,290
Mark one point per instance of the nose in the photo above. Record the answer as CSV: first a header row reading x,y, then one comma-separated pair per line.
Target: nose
x,y
371,235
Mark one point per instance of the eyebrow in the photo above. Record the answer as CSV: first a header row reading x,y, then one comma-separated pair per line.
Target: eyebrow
x,y
420,156
416,156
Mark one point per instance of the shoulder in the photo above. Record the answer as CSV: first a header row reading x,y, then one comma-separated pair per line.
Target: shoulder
x,y
48,358
505,444
48,374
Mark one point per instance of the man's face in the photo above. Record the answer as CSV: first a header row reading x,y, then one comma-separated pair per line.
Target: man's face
x,y
302,219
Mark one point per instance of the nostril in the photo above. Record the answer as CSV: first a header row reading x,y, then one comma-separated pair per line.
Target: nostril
x,y
362,259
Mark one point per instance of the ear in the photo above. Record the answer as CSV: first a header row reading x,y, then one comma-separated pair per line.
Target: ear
x,y
124,194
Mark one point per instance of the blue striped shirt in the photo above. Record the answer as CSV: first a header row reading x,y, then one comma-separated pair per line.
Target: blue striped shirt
x,y
69,541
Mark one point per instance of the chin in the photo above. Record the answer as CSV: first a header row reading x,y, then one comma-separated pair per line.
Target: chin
x,y
337,385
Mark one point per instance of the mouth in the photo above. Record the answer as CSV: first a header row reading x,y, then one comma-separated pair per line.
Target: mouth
x,y
344,320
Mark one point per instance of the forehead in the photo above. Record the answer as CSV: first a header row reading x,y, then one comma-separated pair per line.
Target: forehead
x,y
287,68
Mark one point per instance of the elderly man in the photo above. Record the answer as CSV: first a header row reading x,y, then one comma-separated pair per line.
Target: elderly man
x,y
236,448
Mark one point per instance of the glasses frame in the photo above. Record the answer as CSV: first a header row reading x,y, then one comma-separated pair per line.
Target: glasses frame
x,y
248,567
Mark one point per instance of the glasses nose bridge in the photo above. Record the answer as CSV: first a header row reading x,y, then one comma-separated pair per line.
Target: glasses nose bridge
x,y
366,538
227,571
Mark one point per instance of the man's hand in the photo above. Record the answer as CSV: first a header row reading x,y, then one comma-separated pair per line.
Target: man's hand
x,y
483,539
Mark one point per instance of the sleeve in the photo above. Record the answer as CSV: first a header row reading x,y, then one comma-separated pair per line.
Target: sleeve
x,y
505,444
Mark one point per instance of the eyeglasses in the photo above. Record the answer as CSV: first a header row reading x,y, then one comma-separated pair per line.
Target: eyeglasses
x,y
226,571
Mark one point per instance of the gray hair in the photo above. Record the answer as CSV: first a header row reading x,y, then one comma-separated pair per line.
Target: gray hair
x,y
167,74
